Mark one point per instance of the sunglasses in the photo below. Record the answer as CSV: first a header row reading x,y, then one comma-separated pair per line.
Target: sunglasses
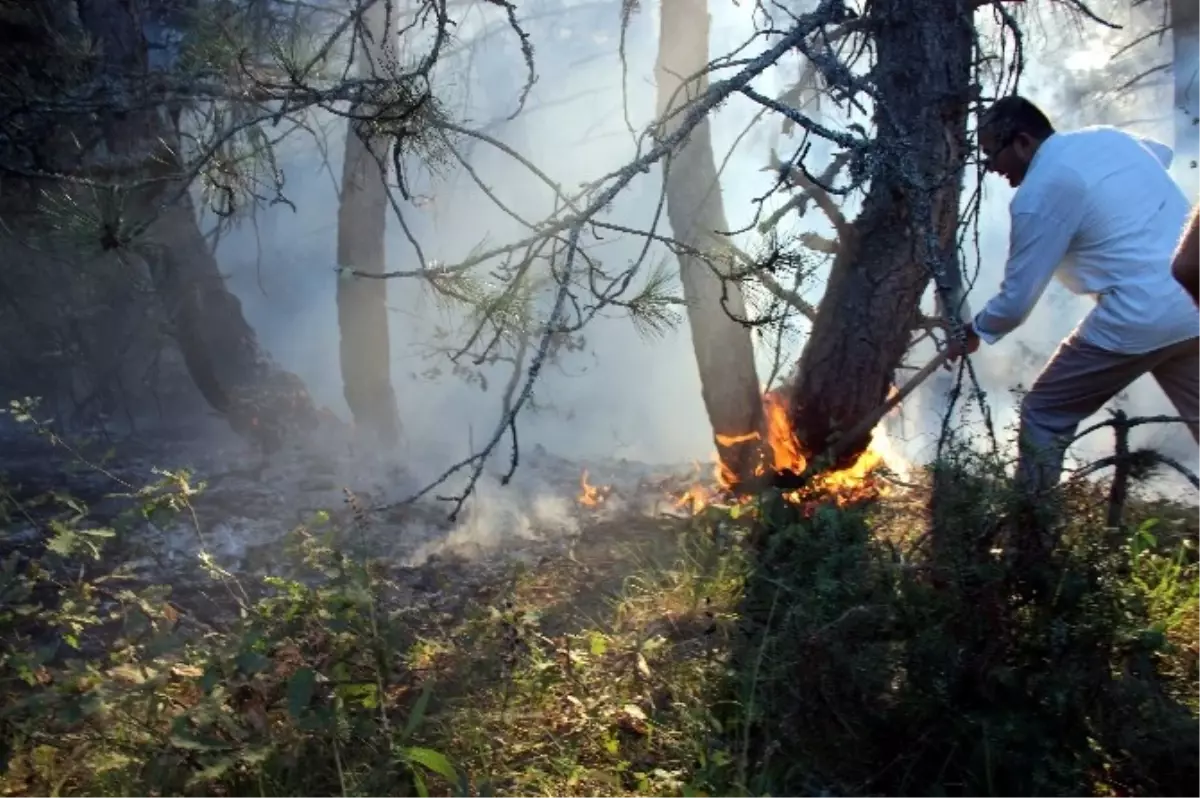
x,y
989,158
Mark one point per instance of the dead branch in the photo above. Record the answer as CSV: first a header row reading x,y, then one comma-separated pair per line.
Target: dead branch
x,y
696,111
1139,77
1107,462
784,295
812,190
819,243
1135,422
1120,484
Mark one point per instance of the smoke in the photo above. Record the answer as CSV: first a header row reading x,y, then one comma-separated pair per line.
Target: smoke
x,y
1079,77
624,395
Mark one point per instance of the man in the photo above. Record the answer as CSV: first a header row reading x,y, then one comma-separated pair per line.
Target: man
x,y
1097,208
1186,264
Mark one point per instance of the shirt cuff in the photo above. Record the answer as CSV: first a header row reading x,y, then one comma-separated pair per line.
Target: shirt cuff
x,y
985,336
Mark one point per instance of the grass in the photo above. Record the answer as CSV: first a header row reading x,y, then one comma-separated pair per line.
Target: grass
x,y
886,648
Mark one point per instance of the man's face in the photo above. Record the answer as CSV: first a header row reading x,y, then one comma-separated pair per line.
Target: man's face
x,y
1008,156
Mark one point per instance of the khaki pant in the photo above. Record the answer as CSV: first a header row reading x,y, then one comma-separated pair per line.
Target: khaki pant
x,y
1079,379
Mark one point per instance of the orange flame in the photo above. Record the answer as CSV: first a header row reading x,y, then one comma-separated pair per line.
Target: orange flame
x,y
694,499
786,454
591,495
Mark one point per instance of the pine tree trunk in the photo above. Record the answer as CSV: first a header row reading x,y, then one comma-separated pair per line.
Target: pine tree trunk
x,y
723,346
260,400
1185,67
362,225
862,328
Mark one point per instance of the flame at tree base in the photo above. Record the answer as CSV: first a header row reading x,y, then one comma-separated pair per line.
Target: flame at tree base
x,y
783,461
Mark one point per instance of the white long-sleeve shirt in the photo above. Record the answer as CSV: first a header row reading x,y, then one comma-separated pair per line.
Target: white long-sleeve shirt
x,y
1098,210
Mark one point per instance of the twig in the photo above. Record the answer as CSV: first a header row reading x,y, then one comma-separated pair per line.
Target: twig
x,y
1120,484
1136,421
868,423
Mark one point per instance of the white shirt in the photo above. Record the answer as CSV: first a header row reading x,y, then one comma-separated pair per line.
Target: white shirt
x,y
1098,210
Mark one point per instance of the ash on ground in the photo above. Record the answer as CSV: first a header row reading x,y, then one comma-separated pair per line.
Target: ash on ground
x,y
247,504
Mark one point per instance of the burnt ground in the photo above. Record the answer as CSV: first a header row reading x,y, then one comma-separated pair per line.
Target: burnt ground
x,y
246,508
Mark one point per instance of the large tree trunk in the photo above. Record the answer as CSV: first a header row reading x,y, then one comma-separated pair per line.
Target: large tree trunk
x,y
1185,32
362,224
923,49
723,346
221,351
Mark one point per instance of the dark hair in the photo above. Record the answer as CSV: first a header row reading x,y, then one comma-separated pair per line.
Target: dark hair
x,y
1013,115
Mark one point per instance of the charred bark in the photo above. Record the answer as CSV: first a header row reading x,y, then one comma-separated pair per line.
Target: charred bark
x,y
722,345
922,75
362,225
261,401
141,149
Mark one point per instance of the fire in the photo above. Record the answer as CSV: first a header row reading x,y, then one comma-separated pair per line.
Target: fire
x,y
591,495
785,449
787,455
695,499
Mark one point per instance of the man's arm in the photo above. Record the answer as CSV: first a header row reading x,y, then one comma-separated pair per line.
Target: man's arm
x,y
1186,263
1038,241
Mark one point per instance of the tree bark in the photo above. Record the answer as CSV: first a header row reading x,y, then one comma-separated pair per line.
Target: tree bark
x,y
1185,67
362,225
260,400
723,346
862,328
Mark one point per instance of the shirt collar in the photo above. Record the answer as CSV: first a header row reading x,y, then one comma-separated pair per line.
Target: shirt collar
x,y
1050,142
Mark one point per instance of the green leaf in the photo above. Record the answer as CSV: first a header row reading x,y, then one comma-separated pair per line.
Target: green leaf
x,y
300,691
417,714
432,760
598,644
251,662
211,773
44,654
255,756
64,540
212,676
366,694
195,742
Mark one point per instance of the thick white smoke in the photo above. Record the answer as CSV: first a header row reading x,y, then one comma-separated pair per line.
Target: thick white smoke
x,y
624,395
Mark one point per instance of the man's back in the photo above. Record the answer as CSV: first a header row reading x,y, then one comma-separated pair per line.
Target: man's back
x,y
1127,213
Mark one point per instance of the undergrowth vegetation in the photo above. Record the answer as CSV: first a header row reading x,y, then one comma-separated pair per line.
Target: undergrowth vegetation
x,y
895,648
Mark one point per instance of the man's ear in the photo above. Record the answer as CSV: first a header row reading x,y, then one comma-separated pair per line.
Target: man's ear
x,y
1024,144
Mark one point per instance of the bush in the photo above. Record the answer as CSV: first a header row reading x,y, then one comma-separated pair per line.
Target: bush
x,y
941,665
112,687
912,645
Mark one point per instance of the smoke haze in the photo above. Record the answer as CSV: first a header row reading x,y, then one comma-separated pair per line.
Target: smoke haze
x,y
625,395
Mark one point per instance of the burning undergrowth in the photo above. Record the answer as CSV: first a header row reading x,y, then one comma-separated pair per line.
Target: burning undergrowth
x,y
781,461
619,644
241,507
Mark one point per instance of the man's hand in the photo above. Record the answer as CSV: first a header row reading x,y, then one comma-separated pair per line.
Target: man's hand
x,y
956,348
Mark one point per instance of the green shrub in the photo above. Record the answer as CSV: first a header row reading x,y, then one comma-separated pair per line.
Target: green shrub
x,y
112,687
943,665
918,644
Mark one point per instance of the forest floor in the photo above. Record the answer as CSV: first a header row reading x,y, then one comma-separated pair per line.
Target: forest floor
x,y
272,633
